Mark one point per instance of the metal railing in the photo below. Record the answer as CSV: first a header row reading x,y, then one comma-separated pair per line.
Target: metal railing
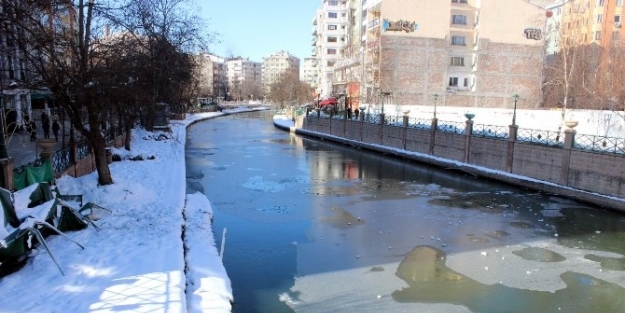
x,y
61,160
451,127
394,120
544,137
491,131
372,118
599,143
420,123
536,136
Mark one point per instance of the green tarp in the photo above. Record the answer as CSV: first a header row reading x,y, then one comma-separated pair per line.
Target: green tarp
x,y
34,174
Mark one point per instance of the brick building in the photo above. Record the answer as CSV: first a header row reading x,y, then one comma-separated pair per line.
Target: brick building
x,y
470,53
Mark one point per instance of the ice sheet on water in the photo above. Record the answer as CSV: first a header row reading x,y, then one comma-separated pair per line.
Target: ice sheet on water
x,y
259,183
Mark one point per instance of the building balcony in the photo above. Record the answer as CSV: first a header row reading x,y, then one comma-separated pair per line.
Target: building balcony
x,y
347,63
372,5
374,23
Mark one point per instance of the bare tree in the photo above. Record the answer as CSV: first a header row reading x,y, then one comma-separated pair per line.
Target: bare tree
x,y
289,89
571,68
167,33
56,38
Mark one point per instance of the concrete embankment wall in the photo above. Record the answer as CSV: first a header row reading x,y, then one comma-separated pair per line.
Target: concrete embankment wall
x,y
597,178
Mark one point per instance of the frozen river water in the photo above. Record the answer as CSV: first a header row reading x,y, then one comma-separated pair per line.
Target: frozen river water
x,y
318,227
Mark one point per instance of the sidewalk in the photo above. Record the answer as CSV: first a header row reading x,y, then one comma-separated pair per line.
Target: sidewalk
x,y
24,151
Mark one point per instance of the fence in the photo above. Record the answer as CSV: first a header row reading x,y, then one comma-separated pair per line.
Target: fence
x,y
564,158
61,161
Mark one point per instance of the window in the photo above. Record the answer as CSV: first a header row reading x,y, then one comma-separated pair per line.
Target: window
x,y
617,18
331,27
331,51
458,1
466,82
619,3
599,18
616,34
332,15
457,61
600,3
453,81
458,40
598,35
333,2
459,19
330,63
331,39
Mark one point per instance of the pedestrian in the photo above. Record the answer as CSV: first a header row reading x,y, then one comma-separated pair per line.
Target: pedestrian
x,y
55,129
356,113
33,131
44,116
45,124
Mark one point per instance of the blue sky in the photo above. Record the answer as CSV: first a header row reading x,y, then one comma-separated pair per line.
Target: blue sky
x,y
256,28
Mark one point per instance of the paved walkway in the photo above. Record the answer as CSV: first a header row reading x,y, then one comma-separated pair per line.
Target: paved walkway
x,y
24,151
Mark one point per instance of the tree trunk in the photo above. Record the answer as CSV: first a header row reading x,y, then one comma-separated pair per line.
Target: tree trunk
x,y
128,133
101,163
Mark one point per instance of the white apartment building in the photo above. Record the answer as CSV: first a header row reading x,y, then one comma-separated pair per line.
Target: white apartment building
x,y
310,74
329,32
244,78
552,29
275,65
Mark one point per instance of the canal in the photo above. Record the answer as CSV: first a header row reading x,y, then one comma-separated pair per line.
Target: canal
x,y
314,226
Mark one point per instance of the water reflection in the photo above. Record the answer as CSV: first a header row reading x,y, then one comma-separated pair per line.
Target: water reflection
x,y
320,227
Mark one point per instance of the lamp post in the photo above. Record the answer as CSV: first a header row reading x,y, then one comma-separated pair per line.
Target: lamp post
x,y
435,100
385,98
318,100
516,98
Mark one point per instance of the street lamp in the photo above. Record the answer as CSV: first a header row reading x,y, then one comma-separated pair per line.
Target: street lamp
x,y
385,98
435,100
516,98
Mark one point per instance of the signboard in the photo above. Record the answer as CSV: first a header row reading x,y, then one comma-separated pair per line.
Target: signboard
x,y
533,33
400,25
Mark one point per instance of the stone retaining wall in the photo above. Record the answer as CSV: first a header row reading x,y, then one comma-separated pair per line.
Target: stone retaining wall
x,y
593,177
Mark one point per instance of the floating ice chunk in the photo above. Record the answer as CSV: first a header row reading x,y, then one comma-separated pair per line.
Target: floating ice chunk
x,y
484,253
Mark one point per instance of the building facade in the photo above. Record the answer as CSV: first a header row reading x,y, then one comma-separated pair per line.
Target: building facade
x,y
211,77
310,74
457,52
329,36
244,78
275,65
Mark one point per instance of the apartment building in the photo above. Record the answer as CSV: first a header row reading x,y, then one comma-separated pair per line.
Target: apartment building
x,y
211,75
597,22
554,15
244,78
276,64
310,74
329,36
468,52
